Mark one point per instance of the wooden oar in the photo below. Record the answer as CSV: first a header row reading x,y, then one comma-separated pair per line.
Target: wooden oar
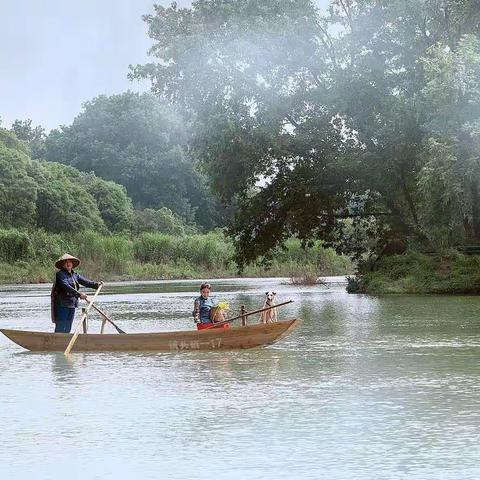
x,y
104,315
246,314
80,323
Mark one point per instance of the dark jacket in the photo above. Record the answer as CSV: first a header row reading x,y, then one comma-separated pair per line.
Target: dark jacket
x,y
67,285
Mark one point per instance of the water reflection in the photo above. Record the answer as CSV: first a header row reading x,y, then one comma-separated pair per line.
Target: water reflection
x,y
64,368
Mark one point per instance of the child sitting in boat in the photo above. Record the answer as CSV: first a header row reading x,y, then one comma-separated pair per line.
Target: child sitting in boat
x,y
202,309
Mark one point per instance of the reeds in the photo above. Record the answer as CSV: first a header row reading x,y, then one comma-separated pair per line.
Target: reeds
x,y
30,256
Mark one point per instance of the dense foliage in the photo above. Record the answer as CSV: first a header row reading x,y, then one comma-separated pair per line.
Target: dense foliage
x,y
18,191
414,272
161,220
34,137
363,119
134,141
57,198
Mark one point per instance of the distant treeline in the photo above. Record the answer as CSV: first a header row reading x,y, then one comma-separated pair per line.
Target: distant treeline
x,y
61,199
28,256
122,153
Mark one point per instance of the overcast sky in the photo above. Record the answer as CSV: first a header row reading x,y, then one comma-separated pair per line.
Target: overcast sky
x,y
56,54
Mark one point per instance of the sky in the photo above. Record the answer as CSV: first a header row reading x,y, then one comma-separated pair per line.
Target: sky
x,y
57,54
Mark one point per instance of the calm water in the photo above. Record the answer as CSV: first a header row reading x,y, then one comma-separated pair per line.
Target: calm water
x,y
367,388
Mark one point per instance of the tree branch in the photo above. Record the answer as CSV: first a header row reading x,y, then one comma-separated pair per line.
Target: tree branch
x,y
293,122
328,43
348,14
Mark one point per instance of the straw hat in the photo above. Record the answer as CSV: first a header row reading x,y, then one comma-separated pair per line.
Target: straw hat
x,y
66,256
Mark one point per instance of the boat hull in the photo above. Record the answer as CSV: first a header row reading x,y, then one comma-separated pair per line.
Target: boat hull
x,y
233,338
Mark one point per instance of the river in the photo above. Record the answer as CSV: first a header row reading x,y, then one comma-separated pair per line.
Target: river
x,y
368,387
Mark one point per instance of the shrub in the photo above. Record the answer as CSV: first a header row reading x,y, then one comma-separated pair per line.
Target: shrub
x,y
14,245
212,250
304,276
156,248
47,247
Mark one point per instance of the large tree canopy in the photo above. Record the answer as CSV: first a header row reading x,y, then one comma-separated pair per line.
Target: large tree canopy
x,y
18,191
34,137
133,140
54,197
312,123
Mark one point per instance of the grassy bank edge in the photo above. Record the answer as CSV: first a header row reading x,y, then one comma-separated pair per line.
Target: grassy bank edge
x,y
29,256
24,272
450,273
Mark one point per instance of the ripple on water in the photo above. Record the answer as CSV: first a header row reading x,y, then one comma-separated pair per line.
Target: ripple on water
x,y
366,388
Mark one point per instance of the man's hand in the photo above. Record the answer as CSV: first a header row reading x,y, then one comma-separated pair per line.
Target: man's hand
x,y
101,283
83,296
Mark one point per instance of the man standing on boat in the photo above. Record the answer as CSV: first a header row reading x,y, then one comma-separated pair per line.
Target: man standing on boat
x,y
65,292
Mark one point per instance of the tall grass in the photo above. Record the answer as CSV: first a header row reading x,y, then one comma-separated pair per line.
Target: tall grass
x,y
30,256
305,266
156,248
212,250
103,253
209,251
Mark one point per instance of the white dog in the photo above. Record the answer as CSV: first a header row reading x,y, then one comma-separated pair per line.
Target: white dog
x,y
269,316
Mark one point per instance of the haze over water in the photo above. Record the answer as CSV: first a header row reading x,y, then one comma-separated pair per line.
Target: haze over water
x,y
368,387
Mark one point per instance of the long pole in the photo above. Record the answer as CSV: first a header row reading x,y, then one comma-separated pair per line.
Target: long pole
x,y
77,330
246,314
104,315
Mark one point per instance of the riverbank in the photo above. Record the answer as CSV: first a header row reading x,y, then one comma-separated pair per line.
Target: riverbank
x,y
28,257
24,272
415,272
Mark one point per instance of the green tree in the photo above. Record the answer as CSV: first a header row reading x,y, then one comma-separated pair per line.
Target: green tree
x,y
302,128
449,179
162,220
33,136
63,203
55,197
133,140
114,205
18,191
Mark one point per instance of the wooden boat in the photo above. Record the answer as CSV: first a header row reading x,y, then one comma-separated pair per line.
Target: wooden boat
x,y
233,338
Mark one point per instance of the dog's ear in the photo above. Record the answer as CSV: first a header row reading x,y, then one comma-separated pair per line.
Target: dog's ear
x,y
266,293
274,293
